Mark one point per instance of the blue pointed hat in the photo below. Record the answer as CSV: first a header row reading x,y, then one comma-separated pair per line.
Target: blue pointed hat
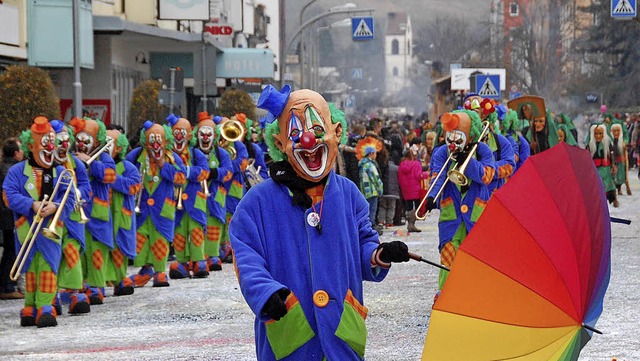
x,y
502,111
57,125
273,100
217,119
172,119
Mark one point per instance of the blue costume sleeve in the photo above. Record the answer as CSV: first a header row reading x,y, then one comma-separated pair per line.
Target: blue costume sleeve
x,y
481,170
368,238
82,179
242,155
225,167
259,161
127,182
17,202
255,280
507,163
133,155
98,169
200,165
525,150
440,155
169,171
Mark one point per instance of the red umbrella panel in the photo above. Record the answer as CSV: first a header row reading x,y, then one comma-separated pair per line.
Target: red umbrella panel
x,y
529,280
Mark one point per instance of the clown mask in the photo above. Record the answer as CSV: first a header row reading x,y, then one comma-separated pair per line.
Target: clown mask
x,y
307,135
43,145
181,135
457,128
87,137
155,142
114,150
63,142
206,135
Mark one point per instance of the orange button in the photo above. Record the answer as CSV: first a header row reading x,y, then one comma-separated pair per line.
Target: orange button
x,y
320,298
464,208
151,202
185,196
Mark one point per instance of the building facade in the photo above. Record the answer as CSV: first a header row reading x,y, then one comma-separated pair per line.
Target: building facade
x,y
398,51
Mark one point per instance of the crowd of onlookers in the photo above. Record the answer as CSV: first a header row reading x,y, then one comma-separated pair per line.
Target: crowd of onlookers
x,y
401,164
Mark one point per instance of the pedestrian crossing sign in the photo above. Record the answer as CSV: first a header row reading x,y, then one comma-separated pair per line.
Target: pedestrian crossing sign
x,y
362,28
623,9
488,86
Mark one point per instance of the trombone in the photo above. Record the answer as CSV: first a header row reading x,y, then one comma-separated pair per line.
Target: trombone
x,y
456,175
205,188
96,153
66,177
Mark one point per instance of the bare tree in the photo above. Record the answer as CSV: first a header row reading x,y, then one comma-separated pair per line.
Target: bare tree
x,y
445,39
536,49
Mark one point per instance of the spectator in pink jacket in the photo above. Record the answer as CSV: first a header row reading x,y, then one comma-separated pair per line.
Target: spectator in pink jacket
x,y
409,175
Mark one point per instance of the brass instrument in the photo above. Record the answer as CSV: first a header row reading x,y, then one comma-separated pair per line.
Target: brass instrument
x,y
205,188
179,196
252,174
66,177
433,184
29,240
456,175
79,202
231,131
99,151
143,173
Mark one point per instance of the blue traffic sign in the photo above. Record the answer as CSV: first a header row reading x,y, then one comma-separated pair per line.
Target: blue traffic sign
x,y
623,9
362,28
488,86
356,73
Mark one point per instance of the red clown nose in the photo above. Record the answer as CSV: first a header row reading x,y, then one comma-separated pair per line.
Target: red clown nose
x,y
308,140
452,147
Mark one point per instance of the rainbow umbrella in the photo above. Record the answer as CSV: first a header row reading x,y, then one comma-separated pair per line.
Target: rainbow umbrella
x,y
529,280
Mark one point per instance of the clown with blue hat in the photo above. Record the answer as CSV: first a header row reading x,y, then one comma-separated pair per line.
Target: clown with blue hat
x,y
70,276
302,240
191,220
162,170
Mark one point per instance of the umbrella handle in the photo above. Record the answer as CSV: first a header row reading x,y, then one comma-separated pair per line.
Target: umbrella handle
x,y
592,329
419,258
619,220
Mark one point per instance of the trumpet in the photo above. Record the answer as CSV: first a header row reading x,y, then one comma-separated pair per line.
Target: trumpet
x,y
205,188
456,175
29,240
96,153
179,197
79,201
143,173
252,174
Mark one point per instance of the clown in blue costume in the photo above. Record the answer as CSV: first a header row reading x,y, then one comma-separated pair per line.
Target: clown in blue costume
x,y
510,127
303,242
123,191
220,171
91,136
162,171
73,235
254,151
24,188
460,205
235,186
191,220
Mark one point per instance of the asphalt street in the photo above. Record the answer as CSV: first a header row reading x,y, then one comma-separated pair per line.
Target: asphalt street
x,y
207,319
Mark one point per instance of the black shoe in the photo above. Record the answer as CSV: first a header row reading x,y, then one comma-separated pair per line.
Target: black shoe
x,y
401,223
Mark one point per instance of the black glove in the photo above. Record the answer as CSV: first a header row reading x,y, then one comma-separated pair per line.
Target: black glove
x,y
430,204
395,251
275,306
213,174
460,157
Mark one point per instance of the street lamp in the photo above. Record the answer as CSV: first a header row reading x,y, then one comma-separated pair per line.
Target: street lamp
x,y
315,64
337,10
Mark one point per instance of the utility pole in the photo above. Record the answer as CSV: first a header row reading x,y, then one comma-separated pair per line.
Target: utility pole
x,y
77,85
